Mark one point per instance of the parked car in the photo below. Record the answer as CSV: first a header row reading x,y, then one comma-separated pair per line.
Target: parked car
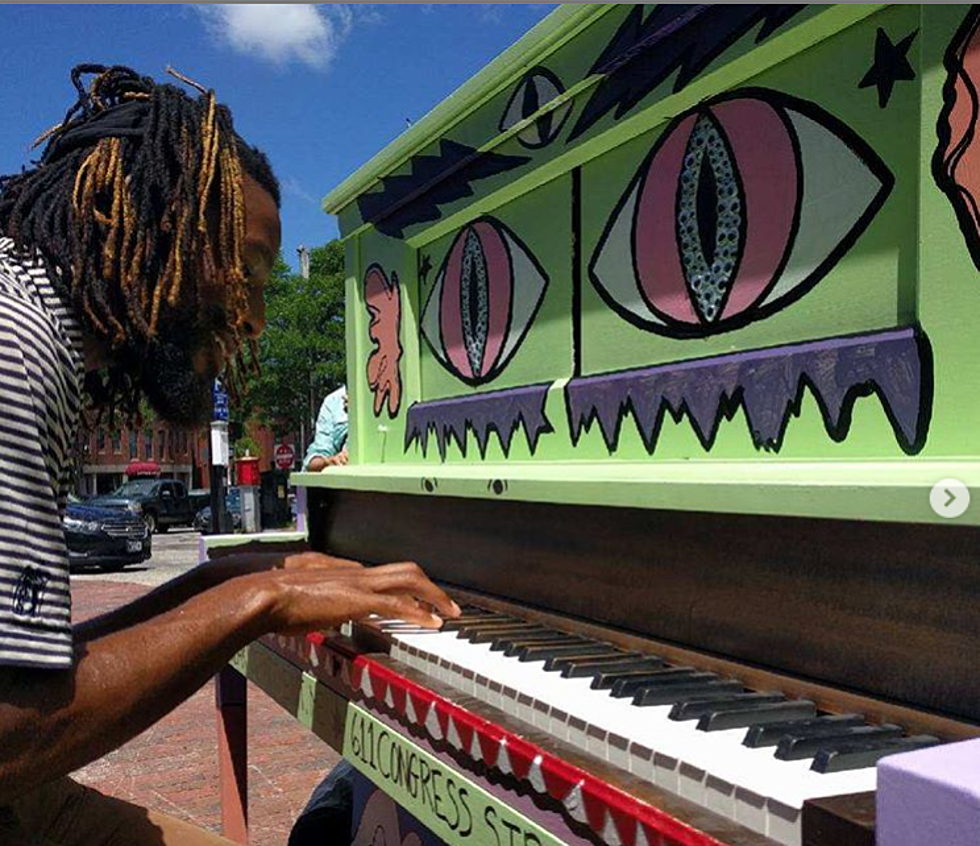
x,y
233,502
161,502
107,538
199,498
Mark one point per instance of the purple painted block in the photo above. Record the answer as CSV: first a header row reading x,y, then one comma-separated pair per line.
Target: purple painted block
x,y
500,412
301,509
930,796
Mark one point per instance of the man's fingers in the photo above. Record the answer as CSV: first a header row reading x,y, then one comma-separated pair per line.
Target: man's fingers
x,y
402,607
408,578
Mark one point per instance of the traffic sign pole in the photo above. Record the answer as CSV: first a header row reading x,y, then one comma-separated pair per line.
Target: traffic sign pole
x,y
218,460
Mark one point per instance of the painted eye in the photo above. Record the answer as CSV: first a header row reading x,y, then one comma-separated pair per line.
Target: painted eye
x,y
539,87
483,300
742,206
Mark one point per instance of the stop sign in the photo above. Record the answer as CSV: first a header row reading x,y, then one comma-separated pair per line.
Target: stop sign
x,y
285,456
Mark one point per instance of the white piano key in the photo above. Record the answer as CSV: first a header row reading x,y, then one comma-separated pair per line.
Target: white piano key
x,y
641,762
617,749
784,824
720,797
665,772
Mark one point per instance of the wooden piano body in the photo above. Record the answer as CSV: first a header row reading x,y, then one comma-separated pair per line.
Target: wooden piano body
x,y
660,331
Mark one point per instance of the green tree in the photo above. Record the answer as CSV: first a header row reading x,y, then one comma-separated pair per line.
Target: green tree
x,y
302,348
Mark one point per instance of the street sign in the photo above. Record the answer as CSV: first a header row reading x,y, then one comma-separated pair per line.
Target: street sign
x,y
285,456
220,396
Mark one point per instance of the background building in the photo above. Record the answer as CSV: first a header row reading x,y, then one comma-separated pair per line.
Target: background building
x,y
106,453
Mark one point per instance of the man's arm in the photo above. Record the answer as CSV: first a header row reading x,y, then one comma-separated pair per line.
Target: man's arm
x,y
51,723
323,444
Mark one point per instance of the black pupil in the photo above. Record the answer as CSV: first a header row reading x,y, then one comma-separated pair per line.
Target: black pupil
x,y
707,206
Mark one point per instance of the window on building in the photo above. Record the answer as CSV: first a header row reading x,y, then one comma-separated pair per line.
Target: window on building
x,y
161,444
116,442
148,444
100,440
134,447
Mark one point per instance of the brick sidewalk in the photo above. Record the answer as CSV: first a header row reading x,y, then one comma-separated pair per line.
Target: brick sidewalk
x,y
173,766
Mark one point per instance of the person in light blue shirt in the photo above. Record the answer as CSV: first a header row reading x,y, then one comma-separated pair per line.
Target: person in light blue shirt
x,y
329,447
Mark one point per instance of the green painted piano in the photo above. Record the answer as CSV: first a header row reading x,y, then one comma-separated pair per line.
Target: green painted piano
x,y
663,355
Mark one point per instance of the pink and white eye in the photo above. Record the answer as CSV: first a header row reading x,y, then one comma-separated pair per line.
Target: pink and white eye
x,y
741,207
483,301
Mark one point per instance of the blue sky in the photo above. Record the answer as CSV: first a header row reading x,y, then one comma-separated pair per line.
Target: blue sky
x,y
320,88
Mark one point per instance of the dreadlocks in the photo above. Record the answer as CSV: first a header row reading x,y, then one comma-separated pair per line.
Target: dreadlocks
x,y
136,197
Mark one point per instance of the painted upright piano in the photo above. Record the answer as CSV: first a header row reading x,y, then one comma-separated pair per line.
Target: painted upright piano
x,y
664,353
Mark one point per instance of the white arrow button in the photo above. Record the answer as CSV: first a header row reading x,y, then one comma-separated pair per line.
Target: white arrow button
x,y
949,498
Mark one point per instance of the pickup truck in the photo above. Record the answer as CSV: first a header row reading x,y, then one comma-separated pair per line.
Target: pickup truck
x,y
162,502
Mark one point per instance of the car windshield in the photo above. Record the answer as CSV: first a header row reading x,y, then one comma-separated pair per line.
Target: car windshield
x,y
135,487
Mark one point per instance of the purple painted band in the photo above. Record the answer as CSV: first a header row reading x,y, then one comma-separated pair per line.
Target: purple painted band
x,y
895,364
500,411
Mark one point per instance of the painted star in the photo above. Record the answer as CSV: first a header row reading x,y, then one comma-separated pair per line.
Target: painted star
x,y
890,65
425,267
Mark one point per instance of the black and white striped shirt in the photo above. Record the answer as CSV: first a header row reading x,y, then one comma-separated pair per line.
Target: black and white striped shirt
x,y
41,371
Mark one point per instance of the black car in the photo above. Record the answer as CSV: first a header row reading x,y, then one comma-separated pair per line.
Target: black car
x,y
233,502
106,538
161,502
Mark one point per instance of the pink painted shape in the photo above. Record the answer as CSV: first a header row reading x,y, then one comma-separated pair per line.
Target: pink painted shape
x,y
384,305
763,156
658,257
450,309
961,157
501,291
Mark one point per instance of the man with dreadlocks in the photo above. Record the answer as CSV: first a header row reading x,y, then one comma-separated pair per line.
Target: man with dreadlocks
x,y
133,257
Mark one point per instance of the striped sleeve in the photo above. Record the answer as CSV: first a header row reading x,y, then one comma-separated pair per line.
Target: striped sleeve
x,y
38,396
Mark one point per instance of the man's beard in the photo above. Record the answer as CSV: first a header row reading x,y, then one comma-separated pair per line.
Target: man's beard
x,y
177,393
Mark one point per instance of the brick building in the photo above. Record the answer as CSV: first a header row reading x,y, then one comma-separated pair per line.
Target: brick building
x,y
106,453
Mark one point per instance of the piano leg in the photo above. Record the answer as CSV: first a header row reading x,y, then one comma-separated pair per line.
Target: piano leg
x,y
230,702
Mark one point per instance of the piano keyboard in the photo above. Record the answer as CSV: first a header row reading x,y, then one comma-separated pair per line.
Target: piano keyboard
x,y
751,756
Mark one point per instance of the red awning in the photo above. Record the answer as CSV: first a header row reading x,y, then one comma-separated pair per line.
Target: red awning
x,y
142,469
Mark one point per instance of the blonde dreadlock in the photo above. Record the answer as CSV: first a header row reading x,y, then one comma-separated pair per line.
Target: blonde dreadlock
x,y
137,197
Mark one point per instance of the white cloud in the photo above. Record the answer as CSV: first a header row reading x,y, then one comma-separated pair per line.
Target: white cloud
x,y
291,185
281,33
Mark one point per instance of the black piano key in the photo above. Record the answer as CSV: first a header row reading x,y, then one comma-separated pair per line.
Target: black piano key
x,y
490,635
686,675
696,708
800,709
605,678
462,622
669,694
856,756
587,669
490,625
542,652
772,733
626,687
517,646
797,748
503,640
612,655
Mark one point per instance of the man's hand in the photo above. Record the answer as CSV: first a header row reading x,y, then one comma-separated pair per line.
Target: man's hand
x,y
316,561
322,462
306,599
